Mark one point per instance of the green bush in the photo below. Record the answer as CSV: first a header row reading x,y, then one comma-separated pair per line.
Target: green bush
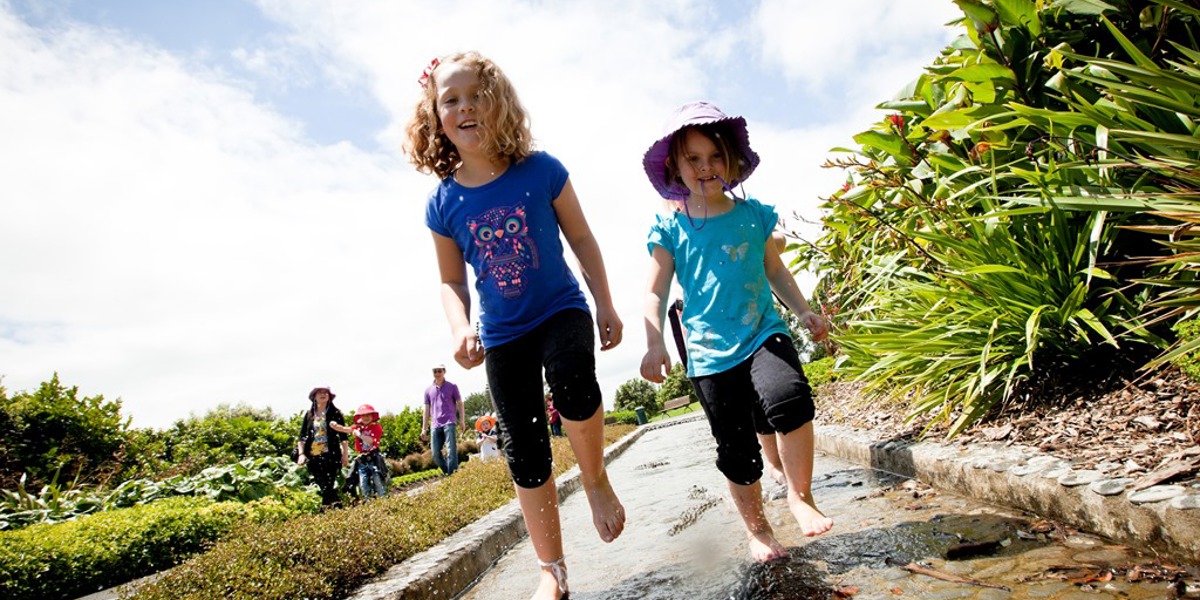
x,y
624,417
634,393
411,478
1020,207
677,384
819,372
54,430
322,556
75,558
247,480
1188,332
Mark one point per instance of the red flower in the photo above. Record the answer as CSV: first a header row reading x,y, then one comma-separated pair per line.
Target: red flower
x,y
897,121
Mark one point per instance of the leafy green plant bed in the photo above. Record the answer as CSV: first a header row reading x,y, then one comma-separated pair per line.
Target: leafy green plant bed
x,y
244,481
67,560
413,478
329,554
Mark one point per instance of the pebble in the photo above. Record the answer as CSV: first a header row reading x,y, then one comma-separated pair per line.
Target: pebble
x,y
1156,493
1044,460
1031,468
1056,472
1110,487
1187,501
1074,478
1003,465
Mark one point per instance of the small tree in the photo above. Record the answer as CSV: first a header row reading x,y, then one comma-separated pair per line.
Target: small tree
x,y
677,384
54,428
477,404
634,393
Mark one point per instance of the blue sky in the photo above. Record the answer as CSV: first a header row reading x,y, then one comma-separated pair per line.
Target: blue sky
x,y
204,201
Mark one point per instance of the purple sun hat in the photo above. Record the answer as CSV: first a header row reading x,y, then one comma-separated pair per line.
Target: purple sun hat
x,y
694,113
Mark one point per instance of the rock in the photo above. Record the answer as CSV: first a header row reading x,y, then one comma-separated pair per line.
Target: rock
x,y
1110,487
1186,502
1156,493
1074,478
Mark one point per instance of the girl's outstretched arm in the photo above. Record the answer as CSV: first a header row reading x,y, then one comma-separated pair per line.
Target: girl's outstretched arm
x,y
456,301
656,364
579,235
784,284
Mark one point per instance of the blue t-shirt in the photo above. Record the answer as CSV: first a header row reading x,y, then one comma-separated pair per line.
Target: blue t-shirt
x,y
508,231
728,309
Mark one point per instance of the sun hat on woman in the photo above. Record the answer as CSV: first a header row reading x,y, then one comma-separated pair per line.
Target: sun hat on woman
x,y
312,396
691,114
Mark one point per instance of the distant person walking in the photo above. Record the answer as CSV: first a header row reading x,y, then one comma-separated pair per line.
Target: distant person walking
x,y
320,447
443,412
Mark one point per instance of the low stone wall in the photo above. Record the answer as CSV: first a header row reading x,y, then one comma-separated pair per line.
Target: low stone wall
x,y
1163,519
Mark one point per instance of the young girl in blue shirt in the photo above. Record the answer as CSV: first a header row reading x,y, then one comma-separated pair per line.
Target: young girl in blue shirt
x,y
500,207
740,352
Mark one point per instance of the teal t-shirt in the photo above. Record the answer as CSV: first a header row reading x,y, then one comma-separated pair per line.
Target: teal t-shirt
x,y
728,308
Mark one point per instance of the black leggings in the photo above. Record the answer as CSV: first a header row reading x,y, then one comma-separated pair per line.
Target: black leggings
x,y
772,379
324,469
564,346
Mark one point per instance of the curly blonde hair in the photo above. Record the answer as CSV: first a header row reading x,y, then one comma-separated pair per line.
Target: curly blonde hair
x,y
504,130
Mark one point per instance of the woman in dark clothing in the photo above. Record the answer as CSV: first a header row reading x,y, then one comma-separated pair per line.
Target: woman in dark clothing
x,y
324,450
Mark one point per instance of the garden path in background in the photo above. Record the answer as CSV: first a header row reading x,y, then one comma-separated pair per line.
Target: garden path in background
x,y
893,538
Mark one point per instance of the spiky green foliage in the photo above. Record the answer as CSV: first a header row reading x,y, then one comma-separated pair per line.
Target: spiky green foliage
x,y
1009,216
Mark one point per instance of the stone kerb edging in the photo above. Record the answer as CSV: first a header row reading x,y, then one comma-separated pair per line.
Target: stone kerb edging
x,y
448,568
1162,519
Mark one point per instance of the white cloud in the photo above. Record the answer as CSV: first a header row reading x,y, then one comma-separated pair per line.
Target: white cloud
x,y
169,241
857,43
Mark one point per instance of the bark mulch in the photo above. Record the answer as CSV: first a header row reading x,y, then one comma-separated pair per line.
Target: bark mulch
x,y
1146,427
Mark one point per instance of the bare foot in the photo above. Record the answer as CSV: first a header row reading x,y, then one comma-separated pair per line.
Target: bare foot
x,y
608,515
775,474
764,547
547,587
804,509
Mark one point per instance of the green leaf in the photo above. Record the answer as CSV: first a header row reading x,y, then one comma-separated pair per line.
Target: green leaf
x,y
1020,12
979,73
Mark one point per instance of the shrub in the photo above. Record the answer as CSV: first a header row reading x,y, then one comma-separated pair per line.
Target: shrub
x,y
624,417
71,559
819,372
412,478
274,560
54,428
634,393
1188,332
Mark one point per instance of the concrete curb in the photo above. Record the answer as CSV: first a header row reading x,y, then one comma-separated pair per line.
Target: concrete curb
x,y
1161,519
448,568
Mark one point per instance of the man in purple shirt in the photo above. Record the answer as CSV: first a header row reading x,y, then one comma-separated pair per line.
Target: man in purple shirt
x,y
443,413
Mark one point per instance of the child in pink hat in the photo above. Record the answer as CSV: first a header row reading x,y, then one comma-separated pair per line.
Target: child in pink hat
x,y
720,249
368,434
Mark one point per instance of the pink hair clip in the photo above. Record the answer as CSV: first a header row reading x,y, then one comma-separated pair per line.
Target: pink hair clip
x,y
423,80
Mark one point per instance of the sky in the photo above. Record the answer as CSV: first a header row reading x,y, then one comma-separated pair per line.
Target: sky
x,y
204,202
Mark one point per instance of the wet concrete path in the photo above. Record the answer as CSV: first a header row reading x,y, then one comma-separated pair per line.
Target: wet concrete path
x,y
683,539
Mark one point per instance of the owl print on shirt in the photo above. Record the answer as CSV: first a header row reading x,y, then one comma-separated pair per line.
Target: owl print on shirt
x,y
502,238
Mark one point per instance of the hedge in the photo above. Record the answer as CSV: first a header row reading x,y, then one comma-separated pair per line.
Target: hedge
x,y
75,558
328,555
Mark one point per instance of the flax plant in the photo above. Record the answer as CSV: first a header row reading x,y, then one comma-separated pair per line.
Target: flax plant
x,y
1030,198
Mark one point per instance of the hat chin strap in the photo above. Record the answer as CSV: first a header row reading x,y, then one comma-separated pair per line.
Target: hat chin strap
x,y
725,187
